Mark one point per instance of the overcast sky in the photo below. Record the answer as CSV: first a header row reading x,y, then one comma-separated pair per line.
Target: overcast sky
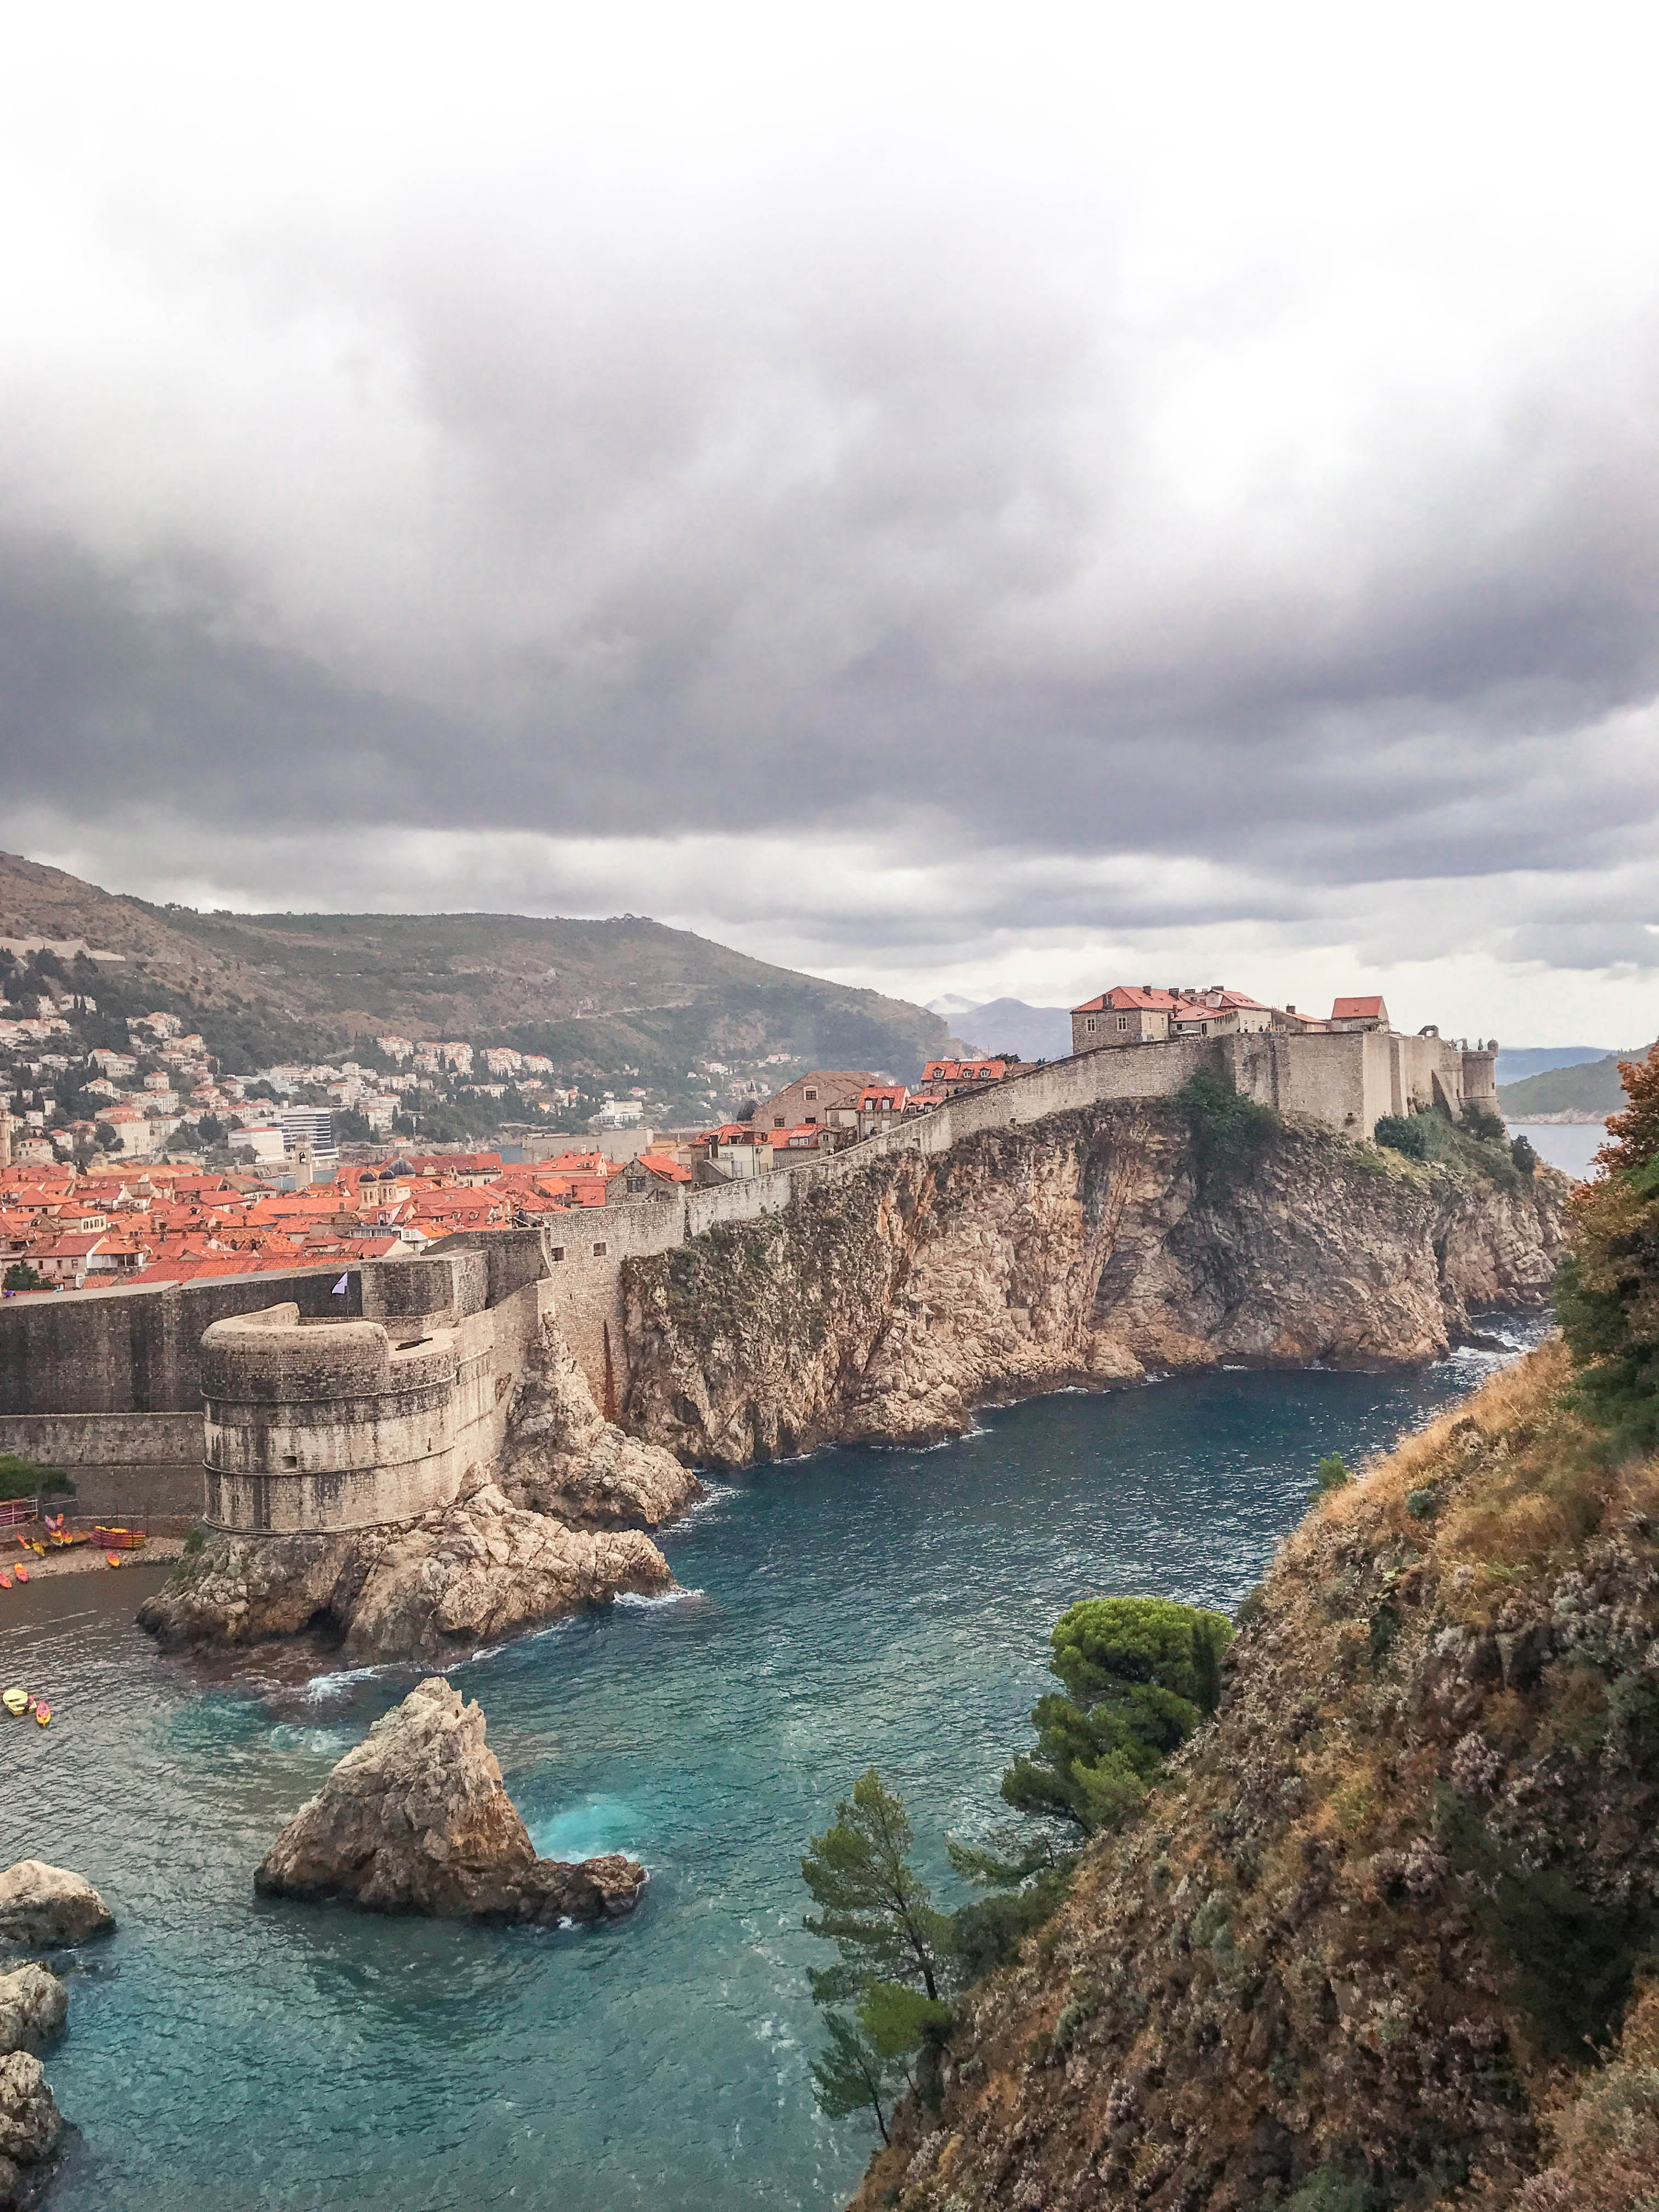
x,y
983,500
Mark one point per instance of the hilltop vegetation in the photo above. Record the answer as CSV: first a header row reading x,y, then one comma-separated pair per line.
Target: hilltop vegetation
x,y
625,1001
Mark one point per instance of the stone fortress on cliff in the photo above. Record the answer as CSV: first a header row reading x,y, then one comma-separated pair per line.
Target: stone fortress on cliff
x,y
336,1402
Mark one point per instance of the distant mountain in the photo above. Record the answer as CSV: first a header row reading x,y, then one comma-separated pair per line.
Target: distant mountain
x,y
625,1002
1516,1062
951,1004
1590,1087
1009,1024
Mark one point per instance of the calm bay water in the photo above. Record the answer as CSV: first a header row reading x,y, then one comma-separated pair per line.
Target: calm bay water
x,y
854,1606
1570,1146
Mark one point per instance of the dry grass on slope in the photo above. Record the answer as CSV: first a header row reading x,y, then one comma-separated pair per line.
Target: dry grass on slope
x,y
1350,1958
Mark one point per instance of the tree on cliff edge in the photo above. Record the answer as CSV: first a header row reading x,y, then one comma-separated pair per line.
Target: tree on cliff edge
x,y
878,1914
1607,1292
1140,1674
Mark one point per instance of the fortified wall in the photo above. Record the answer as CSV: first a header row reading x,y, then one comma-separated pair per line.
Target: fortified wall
x,y
334,1424
338,1396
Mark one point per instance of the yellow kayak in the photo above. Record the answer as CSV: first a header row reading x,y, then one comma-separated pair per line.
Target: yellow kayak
x,y
15,1702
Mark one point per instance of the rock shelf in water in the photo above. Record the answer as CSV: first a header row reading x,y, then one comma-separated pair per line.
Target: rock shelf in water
x,y
417,1819
42,1906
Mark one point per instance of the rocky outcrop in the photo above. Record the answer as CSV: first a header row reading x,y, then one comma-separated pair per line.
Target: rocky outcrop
x,y
416,1820
30,2125
43,1907
1381,1937
1091,1246
477,1571
562,1457
33,2006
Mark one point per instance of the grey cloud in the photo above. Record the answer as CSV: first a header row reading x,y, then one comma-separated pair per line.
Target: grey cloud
x,y
819,542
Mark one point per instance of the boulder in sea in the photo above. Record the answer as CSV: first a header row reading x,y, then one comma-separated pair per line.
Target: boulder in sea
x,y
417,1819
30,2125
33,2006
44,1907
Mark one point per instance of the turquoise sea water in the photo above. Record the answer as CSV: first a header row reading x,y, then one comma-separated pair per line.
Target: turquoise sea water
x,y
849,1608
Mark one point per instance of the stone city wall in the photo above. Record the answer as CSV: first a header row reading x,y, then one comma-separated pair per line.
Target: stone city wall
x,y
343,1425
78,1358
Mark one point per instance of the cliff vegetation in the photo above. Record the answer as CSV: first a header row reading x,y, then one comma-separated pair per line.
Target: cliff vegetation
x,y
1382,1934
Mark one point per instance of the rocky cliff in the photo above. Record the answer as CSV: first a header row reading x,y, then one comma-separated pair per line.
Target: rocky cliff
x,y
1092,1246
1385,1937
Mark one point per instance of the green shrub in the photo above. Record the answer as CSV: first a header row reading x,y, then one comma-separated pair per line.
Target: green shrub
x,y
1419,1504
1329,2190
1479,1142
1484,1123
1525,1156
22,1478
1331,1473
1570,1957
1403,1133
1141,1672
1230,1134
195,1538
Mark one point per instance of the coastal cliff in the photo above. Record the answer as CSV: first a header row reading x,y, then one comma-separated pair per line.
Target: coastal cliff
x,y
1094,1246
1383,1938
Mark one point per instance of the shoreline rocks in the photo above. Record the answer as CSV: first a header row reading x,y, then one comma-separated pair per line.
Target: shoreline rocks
x,y
415,1819
39,1905
44,1907
30,2125
468,1574
33,2006
559,1523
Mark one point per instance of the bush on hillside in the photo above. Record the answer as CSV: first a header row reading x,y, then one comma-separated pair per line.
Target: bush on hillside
x,y
1408,1133
1607,1291
1230,1134
22,1478
1140,1675
1484,1123
1479,1141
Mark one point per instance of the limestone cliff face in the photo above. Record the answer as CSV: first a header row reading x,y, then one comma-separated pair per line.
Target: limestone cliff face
x,y
1088,1247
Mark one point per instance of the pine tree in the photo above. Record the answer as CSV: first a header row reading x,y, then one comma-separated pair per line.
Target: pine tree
x,y
1141,1674
873,1906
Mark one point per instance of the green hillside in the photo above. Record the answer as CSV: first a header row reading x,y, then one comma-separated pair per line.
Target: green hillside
x,y
1592,1087
617,1004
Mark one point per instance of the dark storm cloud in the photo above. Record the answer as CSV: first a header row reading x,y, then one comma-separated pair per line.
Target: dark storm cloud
x,y
819,543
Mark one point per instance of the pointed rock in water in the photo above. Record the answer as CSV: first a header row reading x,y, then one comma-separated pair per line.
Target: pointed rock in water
x,y
33,2006
44,1906
562,1456
417,1819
